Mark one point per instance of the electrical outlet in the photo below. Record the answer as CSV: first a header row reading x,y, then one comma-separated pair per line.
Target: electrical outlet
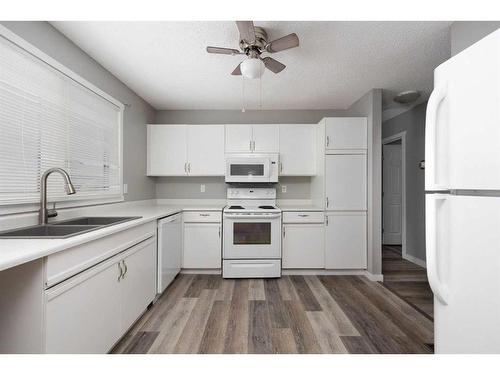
x,y
125,188
283,188
202,188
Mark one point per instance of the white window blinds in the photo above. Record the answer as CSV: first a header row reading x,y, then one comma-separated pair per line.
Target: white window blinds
x,y
47,119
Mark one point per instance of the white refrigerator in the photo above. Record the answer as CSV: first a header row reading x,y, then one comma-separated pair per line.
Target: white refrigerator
x,y
462,182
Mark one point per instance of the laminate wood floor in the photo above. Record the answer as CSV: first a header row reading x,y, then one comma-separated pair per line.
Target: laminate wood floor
x,y
407,280
293,314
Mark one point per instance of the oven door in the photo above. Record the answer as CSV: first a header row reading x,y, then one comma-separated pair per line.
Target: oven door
x,y
247,169
252,236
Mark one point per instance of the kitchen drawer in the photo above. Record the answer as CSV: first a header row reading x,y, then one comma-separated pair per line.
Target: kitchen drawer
x,y
64,264
303,217
202,217
251,268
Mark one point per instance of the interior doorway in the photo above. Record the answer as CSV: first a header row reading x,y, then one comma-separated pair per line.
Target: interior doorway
x,y
394,191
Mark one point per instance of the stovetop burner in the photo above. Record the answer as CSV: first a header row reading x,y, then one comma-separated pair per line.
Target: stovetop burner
x,y
236,208
267,207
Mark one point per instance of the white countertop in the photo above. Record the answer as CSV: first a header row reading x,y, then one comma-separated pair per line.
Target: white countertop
x,y
298,205
14,252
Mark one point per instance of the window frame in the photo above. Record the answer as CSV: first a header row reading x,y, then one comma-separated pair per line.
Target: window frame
x,y
73,201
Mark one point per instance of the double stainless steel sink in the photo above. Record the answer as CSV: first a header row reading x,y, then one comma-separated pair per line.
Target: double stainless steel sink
x,y
66,228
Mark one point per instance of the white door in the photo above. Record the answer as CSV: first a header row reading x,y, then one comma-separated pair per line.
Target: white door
x,y
297,147
463,263
346,133
265,138
239,138
167,150
169,250
392,194
206,150
303,246
345,245
462,132
138,284
346,182
202,245
83,314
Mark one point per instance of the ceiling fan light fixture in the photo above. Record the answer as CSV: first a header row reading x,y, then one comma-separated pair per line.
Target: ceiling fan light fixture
x,y
252,68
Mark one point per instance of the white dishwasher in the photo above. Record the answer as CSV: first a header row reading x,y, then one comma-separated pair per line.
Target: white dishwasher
x,y
169,250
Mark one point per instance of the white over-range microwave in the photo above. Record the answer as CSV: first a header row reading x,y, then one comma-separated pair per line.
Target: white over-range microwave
x,y
252,168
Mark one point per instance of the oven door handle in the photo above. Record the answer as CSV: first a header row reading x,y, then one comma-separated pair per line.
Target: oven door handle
x,y
252,216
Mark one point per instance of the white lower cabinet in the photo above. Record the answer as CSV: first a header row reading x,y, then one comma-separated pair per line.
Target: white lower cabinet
x,y
202,240
89,312
345,246
303,246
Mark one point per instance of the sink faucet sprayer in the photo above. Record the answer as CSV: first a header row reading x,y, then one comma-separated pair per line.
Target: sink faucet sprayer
x,y
43,213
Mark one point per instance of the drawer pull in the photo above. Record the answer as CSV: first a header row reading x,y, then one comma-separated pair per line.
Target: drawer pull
x,y
205,215
303,215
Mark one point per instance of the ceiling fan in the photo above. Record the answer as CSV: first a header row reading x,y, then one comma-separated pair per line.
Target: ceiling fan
x,y
253,43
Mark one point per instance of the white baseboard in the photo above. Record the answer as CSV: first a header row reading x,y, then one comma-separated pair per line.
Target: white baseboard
x,y
374,277
415,260
202,271
318,271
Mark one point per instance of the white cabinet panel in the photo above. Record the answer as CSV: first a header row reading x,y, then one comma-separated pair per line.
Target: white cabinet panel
x,y
303,246
166,150
138,285
202,245
346,182
206,150
346,133
345,246
83,315
265,138
239,138
297,147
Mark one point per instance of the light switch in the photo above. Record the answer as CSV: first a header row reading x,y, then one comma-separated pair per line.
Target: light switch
x,y
202,188
125,188
283,188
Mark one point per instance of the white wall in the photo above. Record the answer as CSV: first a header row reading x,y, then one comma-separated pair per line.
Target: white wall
x,y
46,38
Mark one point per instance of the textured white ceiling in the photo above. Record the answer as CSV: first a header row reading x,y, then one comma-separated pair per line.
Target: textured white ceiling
x,y
335,64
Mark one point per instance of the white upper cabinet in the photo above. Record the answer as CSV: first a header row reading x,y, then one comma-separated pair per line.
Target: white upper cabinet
x,y
297,145
238,138
252,138
185,150
266,138
205,150
346,182
346,133
167,150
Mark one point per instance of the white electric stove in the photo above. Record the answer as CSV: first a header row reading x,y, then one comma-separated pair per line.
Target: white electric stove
x,y
252,234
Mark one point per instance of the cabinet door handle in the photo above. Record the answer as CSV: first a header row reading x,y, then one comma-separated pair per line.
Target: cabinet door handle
x,y
284,232
326,220
250,145
121,271
219,231
189,167
327,141
327,202
126,268
185,167
281,167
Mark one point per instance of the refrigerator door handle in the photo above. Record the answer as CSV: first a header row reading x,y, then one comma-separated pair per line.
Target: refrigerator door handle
x,y
435,100
439,289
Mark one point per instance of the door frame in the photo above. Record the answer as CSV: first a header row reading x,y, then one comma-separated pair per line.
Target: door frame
x,y
390,139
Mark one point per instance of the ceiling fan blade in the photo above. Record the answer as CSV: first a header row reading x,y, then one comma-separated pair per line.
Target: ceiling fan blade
x,y
273,65
247,31
223,51
281,44
237,71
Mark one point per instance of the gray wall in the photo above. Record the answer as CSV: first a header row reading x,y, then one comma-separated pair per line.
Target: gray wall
x,y
465,33
370,105
413,122
45,37
215,188
247,117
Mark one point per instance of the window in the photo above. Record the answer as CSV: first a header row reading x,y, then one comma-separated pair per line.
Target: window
x,y
51,119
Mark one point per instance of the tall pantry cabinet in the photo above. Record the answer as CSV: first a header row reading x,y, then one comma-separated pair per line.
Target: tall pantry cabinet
x,y
346,193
